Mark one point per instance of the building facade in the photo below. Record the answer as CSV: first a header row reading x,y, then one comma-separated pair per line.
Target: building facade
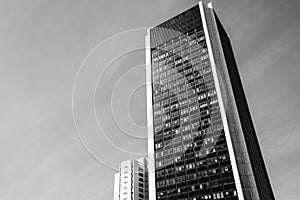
x,y
201,139
131,182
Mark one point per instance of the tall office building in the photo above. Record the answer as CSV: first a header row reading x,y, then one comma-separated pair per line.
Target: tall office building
x,y
131,182
202,143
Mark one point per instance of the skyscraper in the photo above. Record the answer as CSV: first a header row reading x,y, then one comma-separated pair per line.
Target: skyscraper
x,y
202,143
131,182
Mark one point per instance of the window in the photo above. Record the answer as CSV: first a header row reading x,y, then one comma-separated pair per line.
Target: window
x,y
159,154
193,188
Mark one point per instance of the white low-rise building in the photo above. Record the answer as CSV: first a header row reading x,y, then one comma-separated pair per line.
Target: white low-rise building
x,y
131,182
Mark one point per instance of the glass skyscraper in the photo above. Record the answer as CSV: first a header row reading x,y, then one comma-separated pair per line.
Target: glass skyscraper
x,y
202,142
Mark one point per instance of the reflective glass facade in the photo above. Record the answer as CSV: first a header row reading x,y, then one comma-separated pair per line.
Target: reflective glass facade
x,y
191,155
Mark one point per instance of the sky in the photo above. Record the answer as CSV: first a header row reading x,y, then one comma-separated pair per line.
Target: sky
x,y
52,49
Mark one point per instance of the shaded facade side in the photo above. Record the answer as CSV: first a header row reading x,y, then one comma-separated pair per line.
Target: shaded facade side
x,y
254,178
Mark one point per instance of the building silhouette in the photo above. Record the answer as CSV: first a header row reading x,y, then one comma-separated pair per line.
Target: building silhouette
x,y
202,142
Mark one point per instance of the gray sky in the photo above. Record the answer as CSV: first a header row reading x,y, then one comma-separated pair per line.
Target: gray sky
x,y
42,46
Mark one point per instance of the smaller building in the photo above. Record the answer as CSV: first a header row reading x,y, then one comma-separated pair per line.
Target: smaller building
x,y
131,182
